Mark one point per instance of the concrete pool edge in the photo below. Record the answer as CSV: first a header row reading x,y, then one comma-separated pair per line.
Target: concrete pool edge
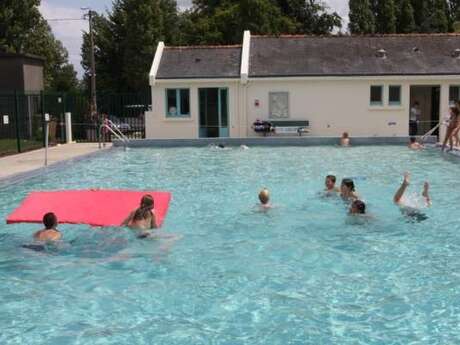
x,y
26,175
268,141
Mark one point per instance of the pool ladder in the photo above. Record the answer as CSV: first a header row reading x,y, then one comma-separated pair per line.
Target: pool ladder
x,y
112,128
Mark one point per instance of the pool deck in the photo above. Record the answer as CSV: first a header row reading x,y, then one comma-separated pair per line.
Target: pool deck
x,y
29,162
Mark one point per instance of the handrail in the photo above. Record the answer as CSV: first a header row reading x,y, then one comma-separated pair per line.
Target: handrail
x,y
431,131
110,126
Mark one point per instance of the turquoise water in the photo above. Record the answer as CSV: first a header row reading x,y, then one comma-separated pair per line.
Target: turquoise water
x,y
302,273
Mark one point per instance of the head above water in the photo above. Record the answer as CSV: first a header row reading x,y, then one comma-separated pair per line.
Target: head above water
x,y
454,111
147,202
50,221
264,196
345,135
141,214
412,140
330,181
348,184
358,207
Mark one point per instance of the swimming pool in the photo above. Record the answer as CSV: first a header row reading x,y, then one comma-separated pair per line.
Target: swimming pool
x,y
299,274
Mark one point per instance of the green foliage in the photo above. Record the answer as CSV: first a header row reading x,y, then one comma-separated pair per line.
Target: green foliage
x,y
406,21
362,20
23,30
385,16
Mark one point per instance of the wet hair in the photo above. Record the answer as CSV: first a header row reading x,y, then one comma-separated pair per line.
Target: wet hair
x,y
141,214
331,177
413,139
221,146
345,135
147,202
50,220
455,111
264,196
349,183
360,206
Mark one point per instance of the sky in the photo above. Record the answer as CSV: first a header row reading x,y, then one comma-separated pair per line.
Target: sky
x,y
70,32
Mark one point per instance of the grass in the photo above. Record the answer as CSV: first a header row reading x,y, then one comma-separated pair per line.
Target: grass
x,y
9,146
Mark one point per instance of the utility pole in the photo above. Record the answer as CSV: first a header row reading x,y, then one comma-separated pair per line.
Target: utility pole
x,y
93,102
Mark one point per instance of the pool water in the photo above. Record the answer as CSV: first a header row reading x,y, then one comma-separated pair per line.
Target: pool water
x,y
302,273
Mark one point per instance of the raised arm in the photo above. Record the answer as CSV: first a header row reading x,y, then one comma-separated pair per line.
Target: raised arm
x,y
128,219
401,190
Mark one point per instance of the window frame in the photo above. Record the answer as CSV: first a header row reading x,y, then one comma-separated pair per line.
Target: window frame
x,y
179,113
393,103
381,102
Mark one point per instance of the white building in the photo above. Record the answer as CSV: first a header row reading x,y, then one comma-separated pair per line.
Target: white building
x,y
364,85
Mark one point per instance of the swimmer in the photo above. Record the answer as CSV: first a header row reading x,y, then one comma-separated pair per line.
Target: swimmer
x,y
244,147
264,197
411,206
357,207
347,190
49,233
414,144
145,215
330,185
345,140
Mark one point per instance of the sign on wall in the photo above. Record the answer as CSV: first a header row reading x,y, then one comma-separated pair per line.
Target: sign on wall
x,y
6,120
279,105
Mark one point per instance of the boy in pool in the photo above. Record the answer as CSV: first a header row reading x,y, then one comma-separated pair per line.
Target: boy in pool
x,y
330,185
399,195
145,215
414,144
264,197
358,207
49,233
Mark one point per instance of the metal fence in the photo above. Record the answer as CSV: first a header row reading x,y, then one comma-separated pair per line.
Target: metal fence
x,y
22,117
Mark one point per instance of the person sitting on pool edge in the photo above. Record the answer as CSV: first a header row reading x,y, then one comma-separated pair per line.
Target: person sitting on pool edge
x,y
347,190
330,185
50,233
414,144
358,207
145,215
264,198
400,200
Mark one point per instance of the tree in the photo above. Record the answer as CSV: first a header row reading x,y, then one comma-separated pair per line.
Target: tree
x,y
385,14
362,20
23,30
406,21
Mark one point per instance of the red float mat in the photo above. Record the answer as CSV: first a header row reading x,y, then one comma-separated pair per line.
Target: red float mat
x,y
92,207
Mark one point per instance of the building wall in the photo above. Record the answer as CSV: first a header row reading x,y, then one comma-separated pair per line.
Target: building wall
x,y
332,106
158,126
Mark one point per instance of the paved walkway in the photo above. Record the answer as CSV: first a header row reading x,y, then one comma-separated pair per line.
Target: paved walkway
x,y
29,161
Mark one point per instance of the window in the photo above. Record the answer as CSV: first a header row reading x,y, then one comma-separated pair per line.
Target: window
x,y
454,94
376,95
177,102
394,95
279,105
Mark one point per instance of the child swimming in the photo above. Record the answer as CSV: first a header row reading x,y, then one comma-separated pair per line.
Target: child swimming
x,y
358,207
144,216
414,144
264,198
347,190
411,206
330,185
49,233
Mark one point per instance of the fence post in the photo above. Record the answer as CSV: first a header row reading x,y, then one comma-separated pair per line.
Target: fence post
x,y
16,117
42,100
68,127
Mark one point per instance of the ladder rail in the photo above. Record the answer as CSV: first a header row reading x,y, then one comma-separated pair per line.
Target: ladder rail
x,y
431,131
120,136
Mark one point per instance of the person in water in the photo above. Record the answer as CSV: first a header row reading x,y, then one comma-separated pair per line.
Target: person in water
x,y
414,144
330,184
144,216
358,207
264,198
400,200
50,233
347,190
345,139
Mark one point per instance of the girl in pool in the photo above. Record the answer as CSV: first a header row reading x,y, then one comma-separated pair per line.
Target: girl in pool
x,y
50,233
347,190
144,216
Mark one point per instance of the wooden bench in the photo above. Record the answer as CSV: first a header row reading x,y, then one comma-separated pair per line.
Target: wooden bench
x,y
291,127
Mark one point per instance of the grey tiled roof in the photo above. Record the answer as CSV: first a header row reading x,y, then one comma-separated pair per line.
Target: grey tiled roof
x,y
200,62
353,55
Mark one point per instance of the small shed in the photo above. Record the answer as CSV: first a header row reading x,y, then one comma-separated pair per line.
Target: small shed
x,y
21,72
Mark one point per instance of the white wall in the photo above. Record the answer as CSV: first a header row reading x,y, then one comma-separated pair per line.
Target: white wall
x,y
158,126
331,105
